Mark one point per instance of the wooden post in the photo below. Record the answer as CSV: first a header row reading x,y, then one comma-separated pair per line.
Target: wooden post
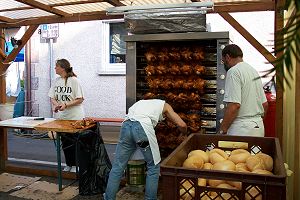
x,y
3,148
3,132
2,70
278,25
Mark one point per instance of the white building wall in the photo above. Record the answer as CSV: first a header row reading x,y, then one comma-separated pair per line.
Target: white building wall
x,y
80,43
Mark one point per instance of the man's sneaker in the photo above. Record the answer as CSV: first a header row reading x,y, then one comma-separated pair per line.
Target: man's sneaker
x,y
73,169
67,169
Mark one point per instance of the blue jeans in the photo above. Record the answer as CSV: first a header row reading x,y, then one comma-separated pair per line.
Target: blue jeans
x,y
131,133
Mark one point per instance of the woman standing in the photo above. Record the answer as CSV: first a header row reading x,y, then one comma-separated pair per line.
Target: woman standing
x,y
66,97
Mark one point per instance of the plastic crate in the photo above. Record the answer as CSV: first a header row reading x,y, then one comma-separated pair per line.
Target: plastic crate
x,y
262,187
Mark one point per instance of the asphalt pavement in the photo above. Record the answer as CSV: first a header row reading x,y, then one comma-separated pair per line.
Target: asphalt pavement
x,y
37,147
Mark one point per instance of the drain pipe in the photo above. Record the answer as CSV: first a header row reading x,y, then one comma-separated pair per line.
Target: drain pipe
x,y
28,103
52,73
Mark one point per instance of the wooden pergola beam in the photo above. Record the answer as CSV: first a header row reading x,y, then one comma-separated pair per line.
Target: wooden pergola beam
x,y
242,7
6,19
2,44
11,57
88,16
218,7
237,26
53,5
115,2
278,25
44,7
55,19
2,71
2,54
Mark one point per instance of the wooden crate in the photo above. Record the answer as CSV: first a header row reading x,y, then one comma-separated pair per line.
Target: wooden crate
x,y
265,187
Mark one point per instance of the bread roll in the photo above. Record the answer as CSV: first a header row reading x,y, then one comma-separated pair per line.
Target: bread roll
x,y
223,195
186,184
238,151
215,158
225,165
187,195
202,182
225,185
215,183
239,156
219,151
235,184
267,160
207,166
200,153
262,171
242,167
254,192
253,162
217,155
193,162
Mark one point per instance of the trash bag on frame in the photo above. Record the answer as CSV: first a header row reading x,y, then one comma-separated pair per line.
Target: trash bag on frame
x,y
94,163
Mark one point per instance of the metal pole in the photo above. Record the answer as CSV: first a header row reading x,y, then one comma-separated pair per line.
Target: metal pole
x,y
51,61
58,161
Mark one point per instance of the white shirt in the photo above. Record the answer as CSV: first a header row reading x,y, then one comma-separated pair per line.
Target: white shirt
x,y
243,87
148,113
64,93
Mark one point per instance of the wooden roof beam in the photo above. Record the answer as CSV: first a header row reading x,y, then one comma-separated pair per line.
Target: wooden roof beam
x,y
115,2
218,7
242,7
98,15
2,54
54,5
6,19
259,47
2,78
11,57
44,7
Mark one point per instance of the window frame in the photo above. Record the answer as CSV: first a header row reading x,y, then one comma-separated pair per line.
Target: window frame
x,y
107,68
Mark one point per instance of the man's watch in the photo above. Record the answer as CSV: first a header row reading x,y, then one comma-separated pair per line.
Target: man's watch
x,y
221,132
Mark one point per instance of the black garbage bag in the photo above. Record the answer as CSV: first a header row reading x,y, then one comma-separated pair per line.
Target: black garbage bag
x,y
94,163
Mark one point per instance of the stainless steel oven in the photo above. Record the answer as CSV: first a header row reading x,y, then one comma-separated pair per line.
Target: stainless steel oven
x,y
186,69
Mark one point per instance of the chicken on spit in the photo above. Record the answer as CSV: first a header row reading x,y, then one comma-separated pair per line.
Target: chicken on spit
x,y
163,55
199,69
199,84
188,84
198,53
178,83
186,69
151,55
174,53
167,84
174,69
150,70
161,69
186,53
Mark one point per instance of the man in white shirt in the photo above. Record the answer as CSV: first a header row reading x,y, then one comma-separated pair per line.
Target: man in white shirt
x,y
137,131
244,96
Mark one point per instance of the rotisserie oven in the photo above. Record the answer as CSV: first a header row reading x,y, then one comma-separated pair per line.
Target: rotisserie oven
x,y
184,68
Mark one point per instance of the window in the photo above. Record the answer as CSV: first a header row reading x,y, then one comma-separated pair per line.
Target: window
x,y
113,47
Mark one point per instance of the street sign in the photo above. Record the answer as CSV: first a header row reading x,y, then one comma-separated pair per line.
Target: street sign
x,y
49,31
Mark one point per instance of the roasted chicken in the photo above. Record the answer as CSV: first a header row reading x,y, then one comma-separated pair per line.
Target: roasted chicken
x,y
150,55
199,69
198,53
150,70
186,53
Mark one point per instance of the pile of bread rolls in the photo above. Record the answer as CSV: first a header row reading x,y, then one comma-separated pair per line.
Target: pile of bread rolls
x,y
239,160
